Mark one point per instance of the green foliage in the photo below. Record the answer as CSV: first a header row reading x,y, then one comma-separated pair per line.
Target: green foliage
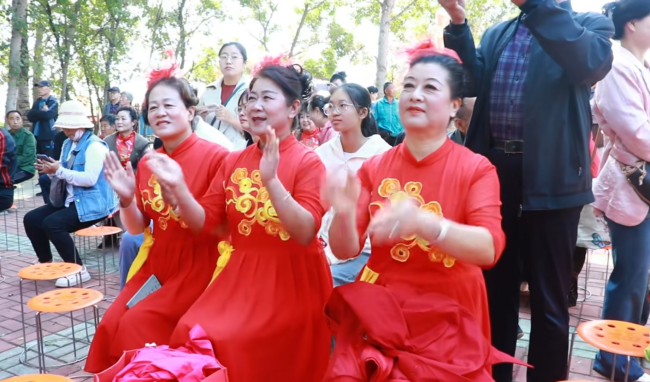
x,y
324,66
205,68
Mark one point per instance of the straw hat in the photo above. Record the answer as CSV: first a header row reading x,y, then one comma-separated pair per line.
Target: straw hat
x,y
72,115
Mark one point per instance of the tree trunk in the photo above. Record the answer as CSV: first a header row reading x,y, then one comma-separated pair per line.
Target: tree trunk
x,y
37,62
19,22
305,11
182,33
384,44
23,103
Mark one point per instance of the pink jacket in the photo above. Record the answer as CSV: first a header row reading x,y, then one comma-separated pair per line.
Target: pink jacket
x,y
327,132
622,109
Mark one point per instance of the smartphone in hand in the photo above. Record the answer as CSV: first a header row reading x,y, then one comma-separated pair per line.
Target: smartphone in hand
x,y
44,157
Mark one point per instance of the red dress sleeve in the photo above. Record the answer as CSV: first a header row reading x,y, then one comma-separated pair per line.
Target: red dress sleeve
x,y
363,204
484,205
309,180
141,183
214,200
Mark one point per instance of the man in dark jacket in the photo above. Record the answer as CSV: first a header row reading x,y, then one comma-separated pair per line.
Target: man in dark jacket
x,y
43,114
532,77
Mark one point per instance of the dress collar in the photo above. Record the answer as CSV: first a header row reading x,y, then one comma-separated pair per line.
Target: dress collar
x,y
429,159
184,146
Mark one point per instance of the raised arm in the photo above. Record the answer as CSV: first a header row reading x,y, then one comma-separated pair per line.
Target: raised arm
x,y
351,218
458,37
583,51
123,183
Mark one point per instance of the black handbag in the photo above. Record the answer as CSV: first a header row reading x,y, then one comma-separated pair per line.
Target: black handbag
x,y
58,188
636,175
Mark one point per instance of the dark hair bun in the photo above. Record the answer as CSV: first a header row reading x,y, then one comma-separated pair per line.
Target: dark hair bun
x,y
338,76
306,82
622,12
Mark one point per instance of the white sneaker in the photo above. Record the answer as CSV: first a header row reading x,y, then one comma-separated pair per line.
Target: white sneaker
x,y
644,378
73,280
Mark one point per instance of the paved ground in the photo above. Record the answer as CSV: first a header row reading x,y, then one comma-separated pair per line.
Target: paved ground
x,y
16,252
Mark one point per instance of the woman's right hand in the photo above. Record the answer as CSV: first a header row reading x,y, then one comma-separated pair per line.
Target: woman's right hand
x,y
122,181
342,195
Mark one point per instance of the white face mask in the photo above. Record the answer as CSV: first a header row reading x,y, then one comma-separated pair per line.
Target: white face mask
x,y
78,134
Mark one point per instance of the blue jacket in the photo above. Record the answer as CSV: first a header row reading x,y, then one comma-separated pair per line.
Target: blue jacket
x,y
94,202
570,52
387,116
44,120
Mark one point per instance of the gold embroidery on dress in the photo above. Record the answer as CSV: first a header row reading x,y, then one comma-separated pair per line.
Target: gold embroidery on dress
x,y
252,199
368,275
391,189
225,252
158,204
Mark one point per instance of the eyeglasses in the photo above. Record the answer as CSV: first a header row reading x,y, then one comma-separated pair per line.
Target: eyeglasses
x,y
225,58
330,108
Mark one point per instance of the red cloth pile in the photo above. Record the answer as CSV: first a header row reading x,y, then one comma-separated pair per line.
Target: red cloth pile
x,y
393,334
192,363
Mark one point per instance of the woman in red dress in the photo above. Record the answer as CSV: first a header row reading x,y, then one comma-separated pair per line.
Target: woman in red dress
x,y
431,206
182,262
263,311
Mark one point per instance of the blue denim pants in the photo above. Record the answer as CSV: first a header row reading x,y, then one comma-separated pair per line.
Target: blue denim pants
x,y
129,248
626,295
347,272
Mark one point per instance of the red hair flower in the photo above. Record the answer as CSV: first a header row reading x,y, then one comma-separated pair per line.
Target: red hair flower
x,y
279,60
428,48
169,69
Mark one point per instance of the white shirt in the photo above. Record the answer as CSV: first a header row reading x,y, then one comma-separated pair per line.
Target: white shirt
x,y
212,96
338,162
95,154
205,131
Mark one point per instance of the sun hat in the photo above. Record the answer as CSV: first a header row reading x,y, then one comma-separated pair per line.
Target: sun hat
x,y
72,115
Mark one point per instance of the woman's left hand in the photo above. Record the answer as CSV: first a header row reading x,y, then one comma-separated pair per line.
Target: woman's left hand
x,y
223,114
47,167
397,221
270,157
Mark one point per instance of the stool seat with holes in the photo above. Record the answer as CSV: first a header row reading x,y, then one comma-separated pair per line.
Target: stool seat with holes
x,y
67,300
38,378
101,231
617,337
43,272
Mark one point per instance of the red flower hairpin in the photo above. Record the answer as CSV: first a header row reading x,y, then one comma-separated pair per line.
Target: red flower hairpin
x,y
279,60
428,48
169,69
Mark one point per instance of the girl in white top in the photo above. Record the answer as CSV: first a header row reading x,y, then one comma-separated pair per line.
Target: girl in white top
x,y
218,104
349,114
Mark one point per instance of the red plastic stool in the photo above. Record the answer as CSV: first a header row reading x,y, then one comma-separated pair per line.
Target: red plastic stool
x,y
38,378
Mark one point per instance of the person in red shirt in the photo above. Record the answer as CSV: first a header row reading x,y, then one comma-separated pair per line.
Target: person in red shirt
x,y
263,311
182,262
308,134
430,206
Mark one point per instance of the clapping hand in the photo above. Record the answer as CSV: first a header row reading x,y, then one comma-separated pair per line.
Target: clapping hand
x,y
342,195
455,9
396,221
168,172
270,157
121,180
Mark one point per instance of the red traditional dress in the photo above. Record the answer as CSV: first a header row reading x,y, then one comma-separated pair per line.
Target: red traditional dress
x,y
452,182
310,138
182,262
264,310
124,147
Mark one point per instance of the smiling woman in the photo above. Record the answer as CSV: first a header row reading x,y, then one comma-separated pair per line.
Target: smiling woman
x,y
272,279
431,208
182,262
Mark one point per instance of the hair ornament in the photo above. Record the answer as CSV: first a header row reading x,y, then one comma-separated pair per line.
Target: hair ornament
x,y
428,48
279,60
168,69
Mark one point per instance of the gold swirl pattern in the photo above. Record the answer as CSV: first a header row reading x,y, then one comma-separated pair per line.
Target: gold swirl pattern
x,y
392,190
368,275
251,198
157,204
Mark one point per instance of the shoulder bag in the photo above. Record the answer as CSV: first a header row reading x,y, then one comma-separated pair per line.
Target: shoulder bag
x,y
636,175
